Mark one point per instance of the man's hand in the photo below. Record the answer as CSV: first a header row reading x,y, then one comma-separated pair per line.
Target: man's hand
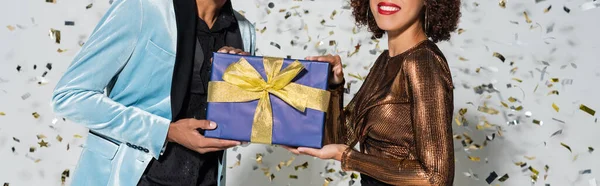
x,y
185,132
231,50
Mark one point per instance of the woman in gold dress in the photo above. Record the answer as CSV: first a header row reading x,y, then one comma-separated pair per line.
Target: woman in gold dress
x,y
402,114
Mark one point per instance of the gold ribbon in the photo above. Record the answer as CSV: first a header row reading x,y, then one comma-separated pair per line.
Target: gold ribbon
x,y
242,83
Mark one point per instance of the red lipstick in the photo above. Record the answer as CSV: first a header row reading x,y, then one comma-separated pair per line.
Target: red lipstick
x,y
385,8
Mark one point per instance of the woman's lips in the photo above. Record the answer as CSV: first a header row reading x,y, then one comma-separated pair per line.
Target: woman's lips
x,y
385,8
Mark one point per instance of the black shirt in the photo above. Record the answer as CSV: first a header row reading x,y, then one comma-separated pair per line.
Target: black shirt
x,y
179,165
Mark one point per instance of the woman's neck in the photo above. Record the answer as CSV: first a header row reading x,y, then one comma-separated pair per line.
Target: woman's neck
x,y
401,40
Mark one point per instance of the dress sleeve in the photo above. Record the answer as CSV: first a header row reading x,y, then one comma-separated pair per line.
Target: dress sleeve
x,y
337,130
429,87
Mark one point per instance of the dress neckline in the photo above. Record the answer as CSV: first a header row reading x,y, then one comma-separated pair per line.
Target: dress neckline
x,y
387,52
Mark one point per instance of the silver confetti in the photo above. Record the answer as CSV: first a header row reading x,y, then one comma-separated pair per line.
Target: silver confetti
x,y
25,96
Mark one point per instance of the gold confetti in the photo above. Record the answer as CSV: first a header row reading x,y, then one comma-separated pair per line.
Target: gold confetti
x,y
548,9
538,122
303,166
502,3
499,56
474,158
61,50
2,114
91,5
554,80
356,76
65,174
51,1
259,158
43,144
77,136
356,49
553,92
354,176
289,162
566,146
31,149
520,164
533,170
546,168
55,35
59,138
462,58
327,181
332,43
333,14
263,30
519,108
331,33
488,110
293,176
460,31
503,178
530,157
354,30
237,163
272,177
37,160
513,70
526,17
40,136
587,109
575,157
555,107
35,115
519,80
10,27
512,99
590,149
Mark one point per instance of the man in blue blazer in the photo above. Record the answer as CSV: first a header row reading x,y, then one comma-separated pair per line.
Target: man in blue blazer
x,y
139,85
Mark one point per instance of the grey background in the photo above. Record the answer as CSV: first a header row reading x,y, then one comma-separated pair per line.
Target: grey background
x,y
564,44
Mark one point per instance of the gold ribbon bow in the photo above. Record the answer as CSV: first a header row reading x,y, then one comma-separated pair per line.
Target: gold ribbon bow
x,y
242,83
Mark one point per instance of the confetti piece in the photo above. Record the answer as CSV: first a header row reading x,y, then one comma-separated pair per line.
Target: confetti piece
x,y
526,17
553,92
538,122
499,56
40,136
502,3
556,133
17,140
548,9
77,136
590,149
275,45
503,178
475,159
10,28
566,146
89,6
555,107
293,176
55,35
69,23
50,1
356,76
488,110
587,109
460,31
43,144
2,114
271,5
568,10
35,115
59,138
354,176
333,14
586,171
65,174
303,166
327,181
519,80
491,177
533,170
259,158
31,149
18,68
530,157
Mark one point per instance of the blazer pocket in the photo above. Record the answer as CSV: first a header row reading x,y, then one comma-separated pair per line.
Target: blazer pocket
x,y
162,54
101,146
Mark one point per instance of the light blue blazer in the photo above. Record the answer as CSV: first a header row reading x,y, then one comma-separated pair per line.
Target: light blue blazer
x,y
135,41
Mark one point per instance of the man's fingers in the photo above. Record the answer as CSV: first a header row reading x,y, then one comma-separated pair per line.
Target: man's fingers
x,y
203,124
207,150
219,143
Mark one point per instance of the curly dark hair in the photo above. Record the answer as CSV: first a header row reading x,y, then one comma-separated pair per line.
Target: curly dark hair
x,y
442,16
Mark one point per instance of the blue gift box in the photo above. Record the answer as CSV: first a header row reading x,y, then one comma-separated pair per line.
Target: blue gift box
x,y
290,126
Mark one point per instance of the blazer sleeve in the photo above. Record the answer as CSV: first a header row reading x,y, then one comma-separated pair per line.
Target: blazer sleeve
x,y
79,95
431,111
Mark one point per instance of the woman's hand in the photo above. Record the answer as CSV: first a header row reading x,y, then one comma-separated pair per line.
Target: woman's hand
x,y
336,67
331,151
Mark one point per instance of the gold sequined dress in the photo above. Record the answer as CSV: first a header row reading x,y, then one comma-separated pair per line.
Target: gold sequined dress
x,y
402,117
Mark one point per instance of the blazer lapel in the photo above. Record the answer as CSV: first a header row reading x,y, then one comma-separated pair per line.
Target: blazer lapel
x,y
185,14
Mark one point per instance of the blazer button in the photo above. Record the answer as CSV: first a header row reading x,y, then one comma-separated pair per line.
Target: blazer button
x,y
146,150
